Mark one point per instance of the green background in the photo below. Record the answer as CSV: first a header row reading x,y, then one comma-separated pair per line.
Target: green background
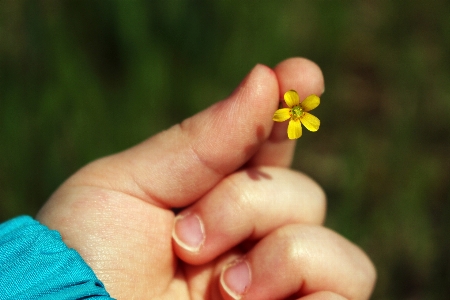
x,y
84,79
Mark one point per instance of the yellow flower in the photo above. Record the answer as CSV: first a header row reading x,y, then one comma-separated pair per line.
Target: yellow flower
x,y
298,113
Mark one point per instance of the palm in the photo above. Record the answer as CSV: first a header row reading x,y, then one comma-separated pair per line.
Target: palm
x,y
127,242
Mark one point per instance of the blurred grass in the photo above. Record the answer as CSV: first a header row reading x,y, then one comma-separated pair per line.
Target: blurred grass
x,y
83,79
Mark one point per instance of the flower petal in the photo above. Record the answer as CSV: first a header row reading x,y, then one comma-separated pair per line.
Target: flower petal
x,y
294,130
311,122
291,98
282,114
311,102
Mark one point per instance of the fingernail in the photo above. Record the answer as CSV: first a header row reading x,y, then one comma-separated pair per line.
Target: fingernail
x,y
236,278
189,232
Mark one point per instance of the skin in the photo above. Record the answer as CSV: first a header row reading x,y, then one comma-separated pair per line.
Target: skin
x,y
229,167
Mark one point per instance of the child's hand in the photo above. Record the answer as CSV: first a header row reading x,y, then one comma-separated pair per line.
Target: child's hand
x,y
246,224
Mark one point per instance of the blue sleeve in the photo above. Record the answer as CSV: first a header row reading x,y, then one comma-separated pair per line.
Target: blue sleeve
x,y
36,264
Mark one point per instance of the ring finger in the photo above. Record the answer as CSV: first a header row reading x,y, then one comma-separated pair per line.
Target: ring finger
x,y
300,260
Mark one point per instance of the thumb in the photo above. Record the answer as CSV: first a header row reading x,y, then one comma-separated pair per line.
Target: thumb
x,y
177,166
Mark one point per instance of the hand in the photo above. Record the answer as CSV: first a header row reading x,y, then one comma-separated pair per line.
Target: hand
x,y
245,222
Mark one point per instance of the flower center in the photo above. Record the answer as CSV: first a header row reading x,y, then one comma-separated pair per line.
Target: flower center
x,y
296,112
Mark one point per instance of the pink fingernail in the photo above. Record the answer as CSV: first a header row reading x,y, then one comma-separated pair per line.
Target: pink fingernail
x,y
236,278
189,232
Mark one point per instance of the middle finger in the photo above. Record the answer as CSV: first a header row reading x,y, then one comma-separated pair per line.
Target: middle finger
x,y
246,205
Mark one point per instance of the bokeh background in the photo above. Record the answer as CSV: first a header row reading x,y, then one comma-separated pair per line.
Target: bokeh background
x,y
84,79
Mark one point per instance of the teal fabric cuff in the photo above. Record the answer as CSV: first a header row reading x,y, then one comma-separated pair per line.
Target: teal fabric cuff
x,y
36,264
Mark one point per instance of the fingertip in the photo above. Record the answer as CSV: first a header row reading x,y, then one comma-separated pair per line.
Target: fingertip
x,y
260,87
235,279
240,123
189,232
300,74
259,72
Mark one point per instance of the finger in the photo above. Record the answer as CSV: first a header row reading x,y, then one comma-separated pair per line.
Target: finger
x,y
306,78
300,260
177,166
246,205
